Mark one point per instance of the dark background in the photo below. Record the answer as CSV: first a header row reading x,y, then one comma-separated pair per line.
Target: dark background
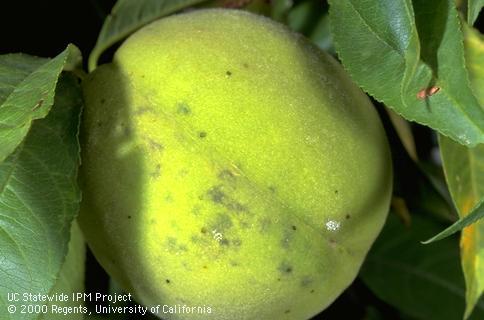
x,y
45,27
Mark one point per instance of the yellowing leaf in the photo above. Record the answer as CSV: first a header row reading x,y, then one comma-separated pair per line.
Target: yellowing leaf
x,y
464,169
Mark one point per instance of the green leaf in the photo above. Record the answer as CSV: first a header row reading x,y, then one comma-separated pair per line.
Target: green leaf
x,y
469,240
27,86
70,280
424,282
128,16
413,62
464,171
473,9
474,54
39,199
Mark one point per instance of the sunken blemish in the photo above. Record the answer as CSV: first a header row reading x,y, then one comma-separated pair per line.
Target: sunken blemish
x,y
222,223
285,268
216,194
332,243
174,246
183,109
235,206
156,172
155,146
306,282
202,134
219,197
226,175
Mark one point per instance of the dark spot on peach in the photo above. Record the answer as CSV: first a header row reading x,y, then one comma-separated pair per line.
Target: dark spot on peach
x,y
205,267
202,134
156,172
272,189
335,191
155,145
285,268
216,194
306,281
245,65
222,223
347,216
287,311
312,291
167,281
226,175
228,73
235,206
332,243
183,109
294,228
203,230
129,217
103,101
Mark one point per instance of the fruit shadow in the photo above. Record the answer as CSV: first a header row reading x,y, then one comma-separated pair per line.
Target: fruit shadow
x,y
113,181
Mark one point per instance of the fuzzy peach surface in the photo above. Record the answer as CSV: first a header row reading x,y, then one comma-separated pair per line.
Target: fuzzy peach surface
x,y
231,165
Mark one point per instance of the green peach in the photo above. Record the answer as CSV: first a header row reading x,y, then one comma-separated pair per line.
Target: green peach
x,y
231,167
